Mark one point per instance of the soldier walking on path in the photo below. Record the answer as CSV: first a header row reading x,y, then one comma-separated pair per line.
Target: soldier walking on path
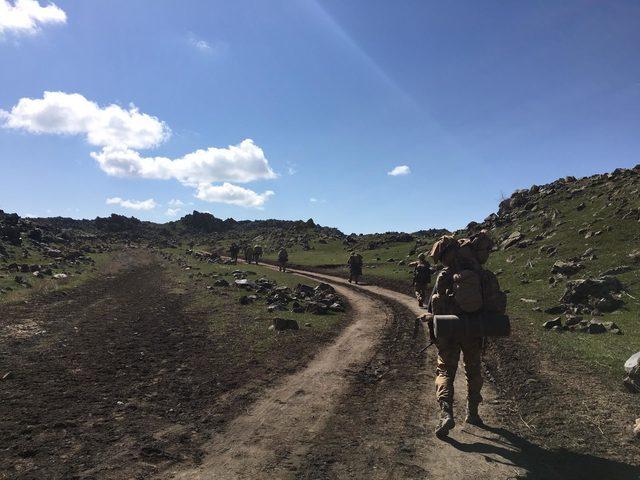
x,y
464,289
234,250
355,267
248,254
257,253
422,279
283,258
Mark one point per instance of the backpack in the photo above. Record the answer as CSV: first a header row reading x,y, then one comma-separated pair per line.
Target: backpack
x,y
467,291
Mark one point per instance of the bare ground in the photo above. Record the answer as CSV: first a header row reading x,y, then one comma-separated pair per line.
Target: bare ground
x,y
113,380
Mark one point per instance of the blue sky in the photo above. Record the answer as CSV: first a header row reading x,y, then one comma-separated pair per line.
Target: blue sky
x,y
320,101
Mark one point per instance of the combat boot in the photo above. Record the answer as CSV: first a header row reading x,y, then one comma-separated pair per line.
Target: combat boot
x,y
446,421
472,417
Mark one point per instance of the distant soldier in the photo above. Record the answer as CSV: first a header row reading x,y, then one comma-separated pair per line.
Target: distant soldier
x,y
257,253
355,267
283,258
421,279
234,250
248,254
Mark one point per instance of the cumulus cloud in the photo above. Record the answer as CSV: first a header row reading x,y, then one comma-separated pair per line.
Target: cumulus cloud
x,y
172,212
72,114
27,16
148,204
240,163
399,170
121,133
175,203
232,195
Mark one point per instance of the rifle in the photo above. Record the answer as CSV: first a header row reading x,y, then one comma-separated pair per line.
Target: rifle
x,y
428,318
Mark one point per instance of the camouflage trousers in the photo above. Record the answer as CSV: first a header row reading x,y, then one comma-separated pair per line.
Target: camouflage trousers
x,y
422,292
448,358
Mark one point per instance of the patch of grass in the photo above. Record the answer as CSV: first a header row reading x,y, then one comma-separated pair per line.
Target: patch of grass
x,y
224,313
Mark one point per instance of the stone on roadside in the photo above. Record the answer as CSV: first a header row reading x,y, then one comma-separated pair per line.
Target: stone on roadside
x,y
549,324
281,324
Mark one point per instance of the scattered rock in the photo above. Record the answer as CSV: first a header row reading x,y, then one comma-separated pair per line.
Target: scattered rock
x,y
566,268
60,276
549,324
281,324
511,240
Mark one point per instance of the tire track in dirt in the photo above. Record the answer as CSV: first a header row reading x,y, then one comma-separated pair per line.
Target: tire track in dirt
x,y
274,437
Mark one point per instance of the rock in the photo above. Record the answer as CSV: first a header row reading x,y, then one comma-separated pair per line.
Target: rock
x,y
636,428
581,206
221,283
60,276
549,324
316,308
244,283
583,290
632,368
618,270
281,324
608,304
573,320
297,308
336,307
555,310
566,268
511,240
596,327
528,300
244,300
324,288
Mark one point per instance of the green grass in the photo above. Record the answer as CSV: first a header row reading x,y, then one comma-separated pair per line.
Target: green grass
x,y
605,352
222,304
77,274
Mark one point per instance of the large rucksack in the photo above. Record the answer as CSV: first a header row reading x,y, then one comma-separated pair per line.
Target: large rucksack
x,y
467,287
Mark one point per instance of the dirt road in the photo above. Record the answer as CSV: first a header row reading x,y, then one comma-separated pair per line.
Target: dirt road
x,y
309,426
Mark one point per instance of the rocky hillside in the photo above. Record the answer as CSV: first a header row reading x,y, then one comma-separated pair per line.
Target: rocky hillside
x,y
569,254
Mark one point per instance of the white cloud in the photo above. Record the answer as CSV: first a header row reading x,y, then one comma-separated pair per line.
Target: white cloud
x,y
148,204
122,133
240,163
207,48
72,114
399,170
176,203
172,212
233,195
27,16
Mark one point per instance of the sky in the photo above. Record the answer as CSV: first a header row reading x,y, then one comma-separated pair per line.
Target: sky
x,y
365,115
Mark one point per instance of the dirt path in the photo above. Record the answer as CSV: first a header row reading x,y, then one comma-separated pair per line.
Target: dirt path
x,y
278,435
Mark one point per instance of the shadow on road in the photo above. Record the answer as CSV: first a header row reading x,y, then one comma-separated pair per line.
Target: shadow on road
x,y
542,464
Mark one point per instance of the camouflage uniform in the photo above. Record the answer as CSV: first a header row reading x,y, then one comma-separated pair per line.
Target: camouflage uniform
x,y
355,267
248,253
449,354
257,253
234,250
283,258
421,282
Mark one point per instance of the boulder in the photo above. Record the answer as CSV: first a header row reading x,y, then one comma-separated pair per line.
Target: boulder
x,y
324,288
549,324
596,327
632,368
221,283
511,240
281,324
566,268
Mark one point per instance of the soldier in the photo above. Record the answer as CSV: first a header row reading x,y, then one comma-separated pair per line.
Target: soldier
x,y
248,254
355,267
257,253
442,302
283,258
421,278
234,250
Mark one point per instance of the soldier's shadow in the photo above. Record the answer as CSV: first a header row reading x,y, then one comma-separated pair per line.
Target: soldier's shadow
x,y
542,464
